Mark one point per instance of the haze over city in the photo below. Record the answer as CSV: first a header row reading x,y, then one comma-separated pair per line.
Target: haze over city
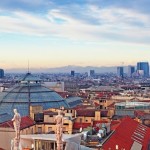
x,y
59,33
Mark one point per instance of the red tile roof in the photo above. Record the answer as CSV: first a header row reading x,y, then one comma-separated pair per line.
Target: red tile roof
x,y
112,105
96,104
77,125
114,124
86,112
139,113
104,94
126,133
25,123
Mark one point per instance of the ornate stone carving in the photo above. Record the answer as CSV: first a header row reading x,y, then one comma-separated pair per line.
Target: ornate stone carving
x,y
16,122
59,130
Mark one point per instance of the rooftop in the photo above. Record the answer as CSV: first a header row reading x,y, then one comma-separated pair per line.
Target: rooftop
x,y
86,112
104,88
30,78
74,101
29,92
133,104
25,123
51,137
4,117
129,134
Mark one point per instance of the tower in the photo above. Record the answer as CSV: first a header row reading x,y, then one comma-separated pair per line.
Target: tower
x,y
72,73
92,73
120,72
144,68
1,73
131,70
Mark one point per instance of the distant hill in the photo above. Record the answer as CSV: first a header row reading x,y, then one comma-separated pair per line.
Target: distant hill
x,y
66,69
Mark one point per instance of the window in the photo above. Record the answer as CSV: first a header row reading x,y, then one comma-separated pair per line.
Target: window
x,y
49,129
39,129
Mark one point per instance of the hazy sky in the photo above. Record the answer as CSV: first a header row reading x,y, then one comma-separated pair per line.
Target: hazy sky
x,y
51,33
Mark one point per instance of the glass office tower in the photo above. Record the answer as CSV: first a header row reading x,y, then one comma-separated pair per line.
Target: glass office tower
x,y
143,66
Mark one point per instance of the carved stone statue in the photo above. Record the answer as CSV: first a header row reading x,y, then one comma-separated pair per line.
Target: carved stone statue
x,y
59,130
16,122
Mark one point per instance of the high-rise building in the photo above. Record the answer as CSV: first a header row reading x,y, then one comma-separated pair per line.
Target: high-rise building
x,y
72,73
143,67
131,70
120,72
92,73
1,73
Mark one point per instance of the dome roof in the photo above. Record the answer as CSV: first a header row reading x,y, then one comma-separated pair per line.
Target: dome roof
x,y
29,91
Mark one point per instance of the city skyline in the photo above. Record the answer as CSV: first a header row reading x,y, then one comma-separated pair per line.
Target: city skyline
x,y
82,33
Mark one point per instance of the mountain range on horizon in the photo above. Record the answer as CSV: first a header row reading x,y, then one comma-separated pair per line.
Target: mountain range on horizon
x,y
67,69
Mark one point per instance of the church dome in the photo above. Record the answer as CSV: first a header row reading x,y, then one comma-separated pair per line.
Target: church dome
x,y
29,92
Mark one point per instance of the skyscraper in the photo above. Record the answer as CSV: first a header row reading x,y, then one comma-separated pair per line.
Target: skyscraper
x,y
1,73
92,73
120,72
143,66
131,70
72,73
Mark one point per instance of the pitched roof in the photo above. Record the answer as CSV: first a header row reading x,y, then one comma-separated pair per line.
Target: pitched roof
x,y
96,104
128,134
86,112
112,105
104,94
114,124
139,113
63,94
25,122
77,125
5,117
74,101
82,107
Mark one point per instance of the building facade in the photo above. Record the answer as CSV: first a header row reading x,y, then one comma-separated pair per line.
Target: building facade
x,y
131,70
143,67
1,73
92,73
120,72
72,73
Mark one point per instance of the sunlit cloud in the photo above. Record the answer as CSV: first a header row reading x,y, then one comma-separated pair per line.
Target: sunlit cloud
x,y
106,24
90,30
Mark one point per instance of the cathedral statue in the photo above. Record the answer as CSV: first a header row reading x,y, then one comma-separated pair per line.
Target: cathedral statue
x,y
59,130
16,122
